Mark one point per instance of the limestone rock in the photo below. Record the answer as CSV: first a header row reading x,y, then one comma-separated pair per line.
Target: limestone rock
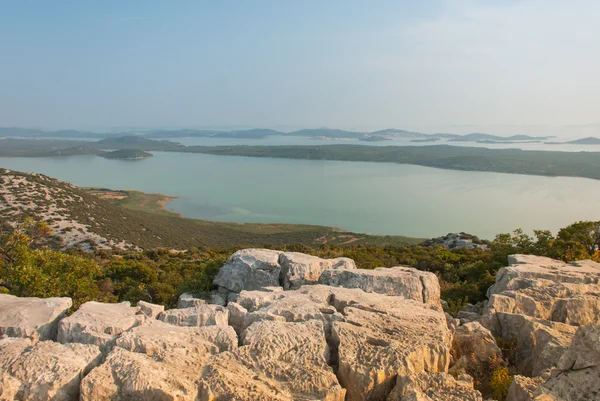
x,y
250,269
203,315
44,371
541,302
380,340
476,343
298,269
35,318
156,362
186,300
278,361
523,388
577,376
99,323
397,281
150,310
433,387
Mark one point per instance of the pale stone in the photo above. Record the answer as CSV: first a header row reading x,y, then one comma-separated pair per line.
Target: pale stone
x,y
577,377
397,281
99,324
250,269
433,387
298,269
523,388
45,371
155,362
476,343
541,302
278,361
150,310
203,315
35,318
186,300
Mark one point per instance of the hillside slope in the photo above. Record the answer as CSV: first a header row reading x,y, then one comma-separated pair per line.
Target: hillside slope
x,y
80,218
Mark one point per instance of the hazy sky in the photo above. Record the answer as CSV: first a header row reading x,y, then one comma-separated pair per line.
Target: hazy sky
x,y
449,65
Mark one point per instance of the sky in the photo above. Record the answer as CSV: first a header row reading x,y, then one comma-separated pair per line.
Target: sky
x,y
498,66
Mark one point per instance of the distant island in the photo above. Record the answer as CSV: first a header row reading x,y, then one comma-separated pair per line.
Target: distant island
x,y
584,141
425,140
127,154
261,133
514,161
374,138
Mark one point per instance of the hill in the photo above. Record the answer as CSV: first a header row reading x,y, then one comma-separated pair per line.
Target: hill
x,y
481,137
130,220
513,161
127,154
583,141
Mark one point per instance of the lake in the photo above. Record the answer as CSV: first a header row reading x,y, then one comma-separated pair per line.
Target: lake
x,y
378,198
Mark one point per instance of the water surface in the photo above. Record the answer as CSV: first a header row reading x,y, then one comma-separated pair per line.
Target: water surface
x,y
379,198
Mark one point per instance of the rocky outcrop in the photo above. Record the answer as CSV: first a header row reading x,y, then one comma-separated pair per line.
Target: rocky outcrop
x,y
577,374
398,281
386,338
257,269
35,318
203,315
298,269
250,269
434,387
99,324
156,361
541,302
44,371
474,346
189,301
278,361
150,310
524,388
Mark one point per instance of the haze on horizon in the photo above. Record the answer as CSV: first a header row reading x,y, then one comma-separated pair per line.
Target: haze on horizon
x,y
497,66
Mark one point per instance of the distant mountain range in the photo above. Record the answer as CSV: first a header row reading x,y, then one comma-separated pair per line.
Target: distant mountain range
x,y
258,133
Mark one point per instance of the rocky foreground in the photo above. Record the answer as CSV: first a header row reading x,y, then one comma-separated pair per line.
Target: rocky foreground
x,y
288,326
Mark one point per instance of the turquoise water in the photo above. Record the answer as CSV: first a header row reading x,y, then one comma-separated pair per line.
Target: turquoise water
x,y
377,198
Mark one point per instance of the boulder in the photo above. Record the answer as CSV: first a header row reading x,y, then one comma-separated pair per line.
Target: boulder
x,y
397,281
381,339
577,374
277,361
434,387
186,300
203,315
298,269
523,388
44,371
541,302
250,269
476,344
156,362
35,318
99,323
150,310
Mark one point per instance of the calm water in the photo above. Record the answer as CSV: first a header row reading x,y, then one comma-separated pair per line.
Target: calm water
x,y
365,197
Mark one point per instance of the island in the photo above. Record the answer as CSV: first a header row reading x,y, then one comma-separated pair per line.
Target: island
x,y
127,154
426,140
583,141
374,138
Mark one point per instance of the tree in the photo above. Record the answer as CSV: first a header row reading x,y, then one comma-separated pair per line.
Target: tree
x,y
583,234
